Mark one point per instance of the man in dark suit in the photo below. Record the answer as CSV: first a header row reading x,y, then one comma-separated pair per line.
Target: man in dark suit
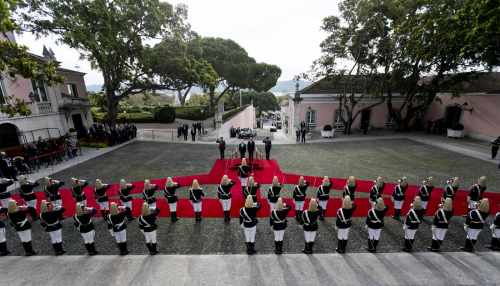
x,y
222,146
303,132
267,147
251,149
242,147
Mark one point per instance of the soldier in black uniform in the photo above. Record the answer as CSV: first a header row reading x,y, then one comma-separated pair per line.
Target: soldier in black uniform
x,y
451,188
28,195
148,226
495,145
425,191
476,193
50,219
52,192
3,238
440,224
343,223
251,149
474,223
4,194
375,223
495,233
118,221
171,196
18,220
149,193
273,193
267,146
224,195
350,188
77,189
242,147
248,221
412,222
243,173
398,197
376,190
85,226
222,146
196,195
126,198
101,197
279,223
310,226
299,196
323,195
252,189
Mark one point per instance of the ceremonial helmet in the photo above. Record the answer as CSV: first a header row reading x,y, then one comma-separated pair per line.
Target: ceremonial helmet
x,y
428,181
351,181
170,182
326,181
417,203
301,180
224,180
380,205
195,184
98,184
482,181
313,205
403,181
347,203
244,162
276,182
484,206
279,204
249,202
147,184
12,206
379,181
113,208
145,209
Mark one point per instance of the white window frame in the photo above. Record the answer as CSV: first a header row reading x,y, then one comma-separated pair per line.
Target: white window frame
x,y
3,92
37,92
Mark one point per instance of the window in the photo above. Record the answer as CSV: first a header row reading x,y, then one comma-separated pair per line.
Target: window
x,y
39,91
3,94
72,90
311,117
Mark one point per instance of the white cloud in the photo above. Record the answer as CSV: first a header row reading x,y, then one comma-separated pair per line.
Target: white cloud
x,y
281,32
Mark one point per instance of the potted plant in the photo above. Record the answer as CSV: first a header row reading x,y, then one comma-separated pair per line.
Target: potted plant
x,y
327,131
456,131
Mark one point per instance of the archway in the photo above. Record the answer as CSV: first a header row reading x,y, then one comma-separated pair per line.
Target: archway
x,y
9,136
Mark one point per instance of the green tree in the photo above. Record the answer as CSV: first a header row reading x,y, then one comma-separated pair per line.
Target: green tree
x,y
198,100
110,34
263,101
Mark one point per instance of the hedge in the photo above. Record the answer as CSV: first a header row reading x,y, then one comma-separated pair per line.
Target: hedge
x,y
165,114
192,112
142,117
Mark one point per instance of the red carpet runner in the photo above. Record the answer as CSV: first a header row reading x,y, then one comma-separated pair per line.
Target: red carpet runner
x,y
263,174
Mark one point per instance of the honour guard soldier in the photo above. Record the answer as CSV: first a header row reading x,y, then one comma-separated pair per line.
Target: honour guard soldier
x,y
243,173
148,226
4,194
224,195
323,195
495,233
126,198
474,223
252,189
350,188
377,190
77,189
248,221
279,223
398,197
52,192
118,221
3,237
412,222
310,226
171,196
50,219
85,226
451,188
425,192
375,223
343,223
196,195
242,147
476,193
440,224
18,220
274,193
28,195
149,193
299,196
102,197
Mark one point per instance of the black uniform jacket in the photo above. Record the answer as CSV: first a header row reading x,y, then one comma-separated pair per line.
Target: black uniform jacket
x,y
118,221
273,193
148,223
52,191
349,191
299,192
310,220
18,220
376,192
278,218
414,218
375,218
475,219
425,192
195,195
27,192
248,216
224,191
399,192
323,193
170,193
243,171
4,194
100,194
125,195
78,192
252,191
83,222
476,192
449,192
442,218
50,220
344,217
149,194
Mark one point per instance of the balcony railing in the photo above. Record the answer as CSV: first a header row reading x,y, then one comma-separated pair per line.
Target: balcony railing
x,y
44,107
69,101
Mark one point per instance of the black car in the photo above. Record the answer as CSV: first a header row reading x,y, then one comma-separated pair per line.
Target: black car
x,y
246,133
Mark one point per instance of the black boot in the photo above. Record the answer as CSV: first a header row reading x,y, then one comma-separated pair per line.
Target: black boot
x,y
280,247
495,244
123,248
152,248
371,247
311,245
252,248
3,249
306,248
173,217
468,246
297,216
58,247
198,216
276,247
249,252
344,246
91,249
339,246
375,244
407,246
435,245
321,214
33,214
300,218
226,216
28,249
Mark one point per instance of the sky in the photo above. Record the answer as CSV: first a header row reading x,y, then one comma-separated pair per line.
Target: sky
x,y
285,33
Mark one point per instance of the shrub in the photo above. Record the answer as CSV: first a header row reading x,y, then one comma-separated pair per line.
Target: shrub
x,y
165,114
230,113
142,117
193,112
327,128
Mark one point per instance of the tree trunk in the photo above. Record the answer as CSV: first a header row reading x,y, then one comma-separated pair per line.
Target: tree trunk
x,y
112,106
211,102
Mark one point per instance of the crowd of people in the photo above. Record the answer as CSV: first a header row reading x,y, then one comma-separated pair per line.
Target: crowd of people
x,y
300,133
121,133
197,130
119,215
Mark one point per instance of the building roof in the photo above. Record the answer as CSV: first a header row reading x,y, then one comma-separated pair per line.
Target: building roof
x,y
41,58
469,83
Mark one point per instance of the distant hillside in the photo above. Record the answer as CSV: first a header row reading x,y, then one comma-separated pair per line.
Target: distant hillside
x,y
94,87
287,86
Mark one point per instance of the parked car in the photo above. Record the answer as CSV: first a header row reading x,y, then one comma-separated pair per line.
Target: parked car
x,y
246,133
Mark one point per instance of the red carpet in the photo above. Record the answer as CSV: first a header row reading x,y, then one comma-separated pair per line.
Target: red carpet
x,y
263,172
